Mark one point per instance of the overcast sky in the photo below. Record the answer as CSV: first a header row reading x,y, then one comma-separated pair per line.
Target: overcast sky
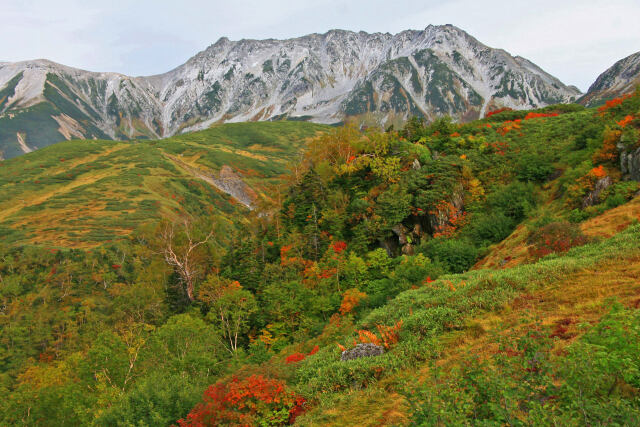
x,y
575,40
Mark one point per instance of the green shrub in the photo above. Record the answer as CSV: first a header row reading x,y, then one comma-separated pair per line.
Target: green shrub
x,y
490,228
454,254
514,200
534,167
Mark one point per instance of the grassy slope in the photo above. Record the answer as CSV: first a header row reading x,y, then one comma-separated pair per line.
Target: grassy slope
x,y
515,249
81,193
569,290
498,299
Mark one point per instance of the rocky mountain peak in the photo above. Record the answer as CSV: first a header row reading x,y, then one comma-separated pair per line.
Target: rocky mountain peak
x,y
621,78
319,77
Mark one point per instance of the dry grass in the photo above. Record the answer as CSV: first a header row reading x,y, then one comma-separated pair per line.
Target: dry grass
x,y
580,298
513,250
577,299
613,221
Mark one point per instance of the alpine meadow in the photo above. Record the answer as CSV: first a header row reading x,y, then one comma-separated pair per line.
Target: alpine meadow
x,y
339,229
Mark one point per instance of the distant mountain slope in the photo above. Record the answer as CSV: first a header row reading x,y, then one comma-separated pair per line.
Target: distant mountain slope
x,y
82,193
620,79
319,77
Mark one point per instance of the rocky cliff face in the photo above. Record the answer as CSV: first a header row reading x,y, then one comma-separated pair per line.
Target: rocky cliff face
x,y
620,79
320,77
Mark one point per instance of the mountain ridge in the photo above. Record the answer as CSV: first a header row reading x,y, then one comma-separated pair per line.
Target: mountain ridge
x,y
325,78
619,79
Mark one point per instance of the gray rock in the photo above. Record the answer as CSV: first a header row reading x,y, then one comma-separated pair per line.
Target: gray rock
x,y
593,198
362,350
630,164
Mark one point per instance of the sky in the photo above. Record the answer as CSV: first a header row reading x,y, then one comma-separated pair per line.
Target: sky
x,y
574,40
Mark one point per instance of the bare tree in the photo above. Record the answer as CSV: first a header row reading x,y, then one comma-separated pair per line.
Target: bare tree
x,y
179,249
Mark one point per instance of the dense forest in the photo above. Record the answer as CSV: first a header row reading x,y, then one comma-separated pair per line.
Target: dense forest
x,y
483,273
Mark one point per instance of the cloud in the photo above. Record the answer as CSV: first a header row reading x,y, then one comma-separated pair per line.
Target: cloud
x,y
574,40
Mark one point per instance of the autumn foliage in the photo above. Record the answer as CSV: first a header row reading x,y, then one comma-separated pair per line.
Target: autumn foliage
x,y
350,300
613,103
598,172
509,125
298,357
389,335
533,115
624,122
608,152
255,400
338,247
455,218
556,237
295,357
498,111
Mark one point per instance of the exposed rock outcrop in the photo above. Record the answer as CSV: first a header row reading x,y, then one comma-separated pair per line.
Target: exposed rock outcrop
x,y
227,181
630,164
593,198
440,218
362,350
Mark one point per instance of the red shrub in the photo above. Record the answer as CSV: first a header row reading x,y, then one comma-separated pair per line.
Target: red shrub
x,y
556,237
613,103
338,246
509,125
539,115
295,357
255,400
498,111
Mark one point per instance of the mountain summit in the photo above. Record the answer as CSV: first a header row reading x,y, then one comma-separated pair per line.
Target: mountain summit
x,y
620,79
319,77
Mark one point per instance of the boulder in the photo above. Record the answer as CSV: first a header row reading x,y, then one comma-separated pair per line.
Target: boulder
x,y
362,350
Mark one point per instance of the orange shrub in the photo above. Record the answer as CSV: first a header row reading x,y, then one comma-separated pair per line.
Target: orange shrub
x,y
608,152
533,115
624,122
389,335
350,300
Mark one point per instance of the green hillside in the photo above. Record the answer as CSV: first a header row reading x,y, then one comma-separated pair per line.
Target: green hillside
x,y
436,274
82,193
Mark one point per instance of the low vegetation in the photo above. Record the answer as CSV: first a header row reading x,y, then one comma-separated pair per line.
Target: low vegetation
x,y
472,257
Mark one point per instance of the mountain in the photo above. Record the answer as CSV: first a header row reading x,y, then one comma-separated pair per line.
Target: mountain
x,y
319,77
620,79
84,193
